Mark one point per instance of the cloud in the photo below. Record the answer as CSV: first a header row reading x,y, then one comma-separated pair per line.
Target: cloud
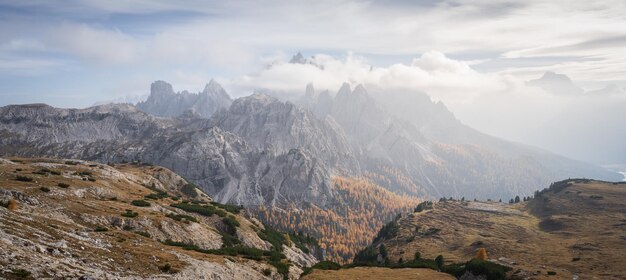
x,y
100,46
433,72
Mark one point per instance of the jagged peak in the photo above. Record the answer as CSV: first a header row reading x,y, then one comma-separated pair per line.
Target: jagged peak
x,y
310,90
360,89
298,59
345,89
161,87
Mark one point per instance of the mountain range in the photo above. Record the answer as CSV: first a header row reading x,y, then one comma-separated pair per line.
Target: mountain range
x,y
259,151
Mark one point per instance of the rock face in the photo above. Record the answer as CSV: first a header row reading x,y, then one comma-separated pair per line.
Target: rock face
x,y
410,140
163,101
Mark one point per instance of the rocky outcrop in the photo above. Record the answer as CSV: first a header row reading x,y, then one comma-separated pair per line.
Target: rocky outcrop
x,y
163,101
83,228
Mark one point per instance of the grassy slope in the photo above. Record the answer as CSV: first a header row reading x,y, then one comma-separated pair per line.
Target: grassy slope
x,y
586,220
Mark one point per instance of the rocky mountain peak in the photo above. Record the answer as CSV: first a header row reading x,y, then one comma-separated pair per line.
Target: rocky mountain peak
x,y
163,101
161,88
298,59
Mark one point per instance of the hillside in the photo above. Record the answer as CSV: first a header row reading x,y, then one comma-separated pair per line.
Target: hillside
x,y
350,222
575,229
72,218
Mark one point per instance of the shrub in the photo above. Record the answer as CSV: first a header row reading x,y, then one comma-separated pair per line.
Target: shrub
x,y
157,195
101,229
12,204
130,214
235,209
64,185
91,179
491,270
389,230
418,256
20,273
267,272
575,259
55,172
23,178
71,162
204,210
439,261
326,265
44,189
190,190
481,254
551,273
143,233
423,206
84,173
231,225
274,237
165,268
301,241
140,203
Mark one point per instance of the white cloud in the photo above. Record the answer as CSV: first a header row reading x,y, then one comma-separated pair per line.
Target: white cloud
x,y
98,46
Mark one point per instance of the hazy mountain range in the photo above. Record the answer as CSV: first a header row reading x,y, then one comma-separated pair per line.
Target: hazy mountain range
x,y
261,150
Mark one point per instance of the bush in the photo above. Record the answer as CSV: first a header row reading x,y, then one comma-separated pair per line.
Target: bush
x,y
165,268
143,233
84,173
130,214
91,179
231,225
204,210
423,206
551,273
157,195
20,273
389,230
274,237
11,204
439,261
327,265
418,256
23,178
491,270
267,272
64,185
301,241
140,203
44,189
190,190
101,229
235,209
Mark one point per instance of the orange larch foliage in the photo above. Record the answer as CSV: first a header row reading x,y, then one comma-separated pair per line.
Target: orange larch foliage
x,y
350,223
481,254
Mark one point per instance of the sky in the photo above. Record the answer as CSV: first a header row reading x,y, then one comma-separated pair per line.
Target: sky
x,y
484,59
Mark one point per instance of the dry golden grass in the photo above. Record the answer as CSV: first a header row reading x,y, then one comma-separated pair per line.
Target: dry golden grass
x,y
578,231
378,273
